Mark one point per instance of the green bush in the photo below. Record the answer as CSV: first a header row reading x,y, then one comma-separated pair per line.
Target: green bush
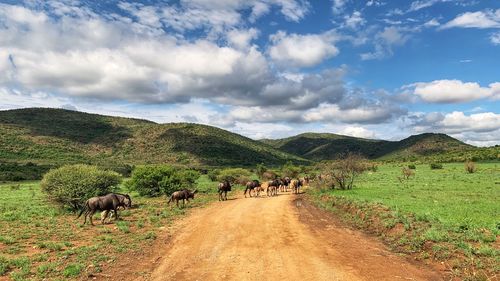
x,y
213,174
155,180
436,166
289,170
234,175
71,185
412,166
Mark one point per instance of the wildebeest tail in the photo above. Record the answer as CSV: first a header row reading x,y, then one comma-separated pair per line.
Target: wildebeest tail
x,y
83,209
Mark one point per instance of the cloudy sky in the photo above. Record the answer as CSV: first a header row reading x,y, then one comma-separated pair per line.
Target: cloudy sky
x,y
262,68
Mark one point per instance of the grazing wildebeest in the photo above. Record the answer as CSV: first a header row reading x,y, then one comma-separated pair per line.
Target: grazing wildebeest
x,y
223,187
125,202
184,194
272,187
251,185
107,203
295,185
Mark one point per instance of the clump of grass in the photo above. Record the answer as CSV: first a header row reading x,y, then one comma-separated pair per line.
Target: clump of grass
x,y
123,226
436,166
73,270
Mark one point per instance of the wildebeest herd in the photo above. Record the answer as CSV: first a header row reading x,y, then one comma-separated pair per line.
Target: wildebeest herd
x,y
109,204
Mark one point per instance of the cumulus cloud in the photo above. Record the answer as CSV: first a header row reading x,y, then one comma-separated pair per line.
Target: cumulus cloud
x,y
359,132
481,129
302,50
453,91
495,38
385,41
354,21
480,19
338,6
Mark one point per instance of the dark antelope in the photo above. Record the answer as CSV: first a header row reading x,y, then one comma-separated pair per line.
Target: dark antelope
x,y
107,203
182,195
223,187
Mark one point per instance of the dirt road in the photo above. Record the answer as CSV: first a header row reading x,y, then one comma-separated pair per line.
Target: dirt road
x,y
278,238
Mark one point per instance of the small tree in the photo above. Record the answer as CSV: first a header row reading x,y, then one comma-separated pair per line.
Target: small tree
x,y
213,174
234,175
289,170
260,170
156,180
406,174
470,167
71,185
345,170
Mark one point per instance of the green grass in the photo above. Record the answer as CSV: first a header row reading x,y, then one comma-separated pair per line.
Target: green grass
x,y
40,241
456,212
450,196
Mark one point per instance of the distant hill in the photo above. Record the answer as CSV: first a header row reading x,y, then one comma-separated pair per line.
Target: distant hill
x,y
48,136
428,146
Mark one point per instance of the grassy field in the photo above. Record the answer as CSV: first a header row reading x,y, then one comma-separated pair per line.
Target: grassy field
x,y
445,214
39,241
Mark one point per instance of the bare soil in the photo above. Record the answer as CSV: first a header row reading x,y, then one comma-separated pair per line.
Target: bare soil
x,y
268,238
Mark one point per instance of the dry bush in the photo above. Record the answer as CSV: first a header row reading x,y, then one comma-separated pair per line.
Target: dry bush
x,y
470,167
344,171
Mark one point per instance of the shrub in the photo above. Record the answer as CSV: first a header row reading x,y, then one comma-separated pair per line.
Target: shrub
x,y
71,185
436,166
412,166
156,180
260,170
213,174
234,175
289,170
470,167
344,171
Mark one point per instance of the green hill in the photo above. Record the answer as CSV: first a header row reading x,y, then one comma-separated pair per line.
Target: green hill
x,y
428,146
56,136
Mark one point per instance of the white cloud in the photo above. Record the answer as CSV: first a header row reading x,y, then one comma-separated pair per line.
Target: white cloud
x,y
358,132
454,91
302,50
482,129
333,113
241,39
495,38
385,40
480,19
354,21
432,23
338,6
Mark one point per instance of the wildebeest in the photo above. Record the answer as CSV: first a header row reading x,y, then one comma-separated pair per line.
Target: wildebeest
x,y
107,203
285,183
184,194
272,187
259,189
295,185
223,187
251,185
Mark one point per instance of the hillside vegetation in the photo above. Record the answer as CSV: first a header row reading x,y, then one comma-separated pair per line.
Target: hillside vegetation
x,y
423,147
57,136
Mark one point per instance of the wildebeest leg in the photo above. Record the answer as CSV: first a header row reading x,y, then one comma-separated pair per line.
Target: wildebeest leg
x,y
91,215
177,202
104,215
245,193
116,213
225,195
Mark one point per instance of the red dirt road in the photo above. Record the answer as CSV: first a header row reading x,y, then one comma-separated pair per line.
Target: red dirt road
x,y
278,238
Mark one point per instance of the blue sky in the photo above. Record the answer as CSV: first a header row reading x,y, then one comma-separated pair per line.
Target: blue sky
x,y
262,68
